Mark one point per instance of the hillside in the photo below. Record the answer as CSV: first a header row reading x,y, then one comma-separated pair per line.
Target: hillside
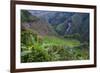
x,y
54,36
38,25
66,23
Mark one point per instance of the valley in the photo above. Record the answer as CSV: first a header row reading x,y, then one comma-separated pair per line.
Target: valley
x,y
54,36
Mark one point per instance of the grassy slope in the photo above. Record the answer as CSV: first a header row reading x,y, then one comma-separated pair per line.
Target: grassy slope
x,y
60,41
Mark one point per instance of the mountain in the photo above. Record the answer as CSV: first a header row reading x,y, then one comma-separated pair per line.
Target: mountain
x,y
78,23
53,17
38,25
56,22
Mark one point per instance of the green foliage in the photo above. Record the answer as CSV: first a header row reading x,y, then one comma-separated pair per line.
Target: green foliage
x,y
35,48
28,38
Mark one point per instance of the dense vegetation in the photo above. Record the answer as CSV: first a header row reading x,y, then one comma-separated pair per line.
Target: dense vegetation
x,y
36,48
39,48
